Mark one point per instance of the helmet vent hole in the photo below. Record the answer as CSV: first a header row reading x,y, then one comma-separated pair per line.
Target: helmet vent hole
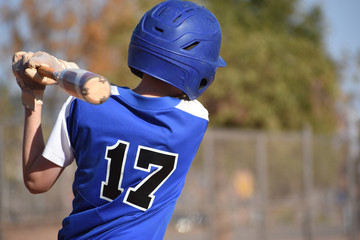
x,y
177,18
191,46
162,11
159,29
203,83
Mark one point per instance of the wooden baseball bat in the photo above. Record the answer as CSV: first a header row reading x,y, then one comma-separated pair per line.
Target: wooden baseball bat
x,y
80,83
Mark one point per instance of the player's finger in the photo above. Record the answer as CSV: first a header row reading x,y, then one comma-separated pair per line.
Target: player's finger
x,y
41,59
19,61
17,56
48,81
16,62
26,56
35,76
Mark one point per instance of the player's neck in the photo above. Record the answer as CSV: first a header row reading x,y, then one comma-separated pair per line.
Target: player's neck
x,y
152,87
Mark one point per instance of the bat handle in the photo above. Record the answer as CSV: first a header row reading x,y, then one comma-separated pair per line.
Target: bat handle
x,y
46,72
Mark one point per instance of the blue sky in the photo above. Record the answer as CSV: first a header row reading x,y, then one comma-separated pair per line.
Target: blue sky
x,y
342,38
342,22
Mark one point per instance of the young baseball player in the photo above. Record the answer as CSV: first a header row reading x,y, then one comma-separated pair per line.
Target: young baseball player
x,y
133,151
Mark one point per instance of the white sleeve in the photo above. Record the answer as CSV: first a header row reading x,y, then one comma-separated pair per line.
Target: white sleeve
x,y
58,148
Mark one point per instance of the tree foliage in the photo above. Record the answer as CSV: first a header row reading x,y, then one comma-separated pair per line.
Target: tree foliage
x,y
278,75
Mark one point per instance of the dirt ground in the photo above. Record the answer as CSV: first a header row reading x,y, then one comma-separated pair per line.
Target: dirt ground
x,y
49,232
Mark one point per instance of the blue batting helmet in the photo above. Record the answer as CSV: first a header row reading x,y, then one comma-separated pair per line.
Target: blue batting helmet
x,y
177,42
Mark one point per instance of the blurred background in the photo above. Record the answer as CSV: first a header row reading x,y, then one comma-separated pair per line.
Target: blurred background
x,y
281,157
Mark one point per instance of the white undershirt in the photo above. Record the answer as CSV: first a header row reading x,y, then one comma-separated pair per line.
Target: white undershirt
x,y
58,148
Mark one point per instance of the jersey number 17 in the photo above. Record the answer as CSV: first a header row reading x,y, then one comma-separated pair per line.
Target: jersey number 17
x,y
143,194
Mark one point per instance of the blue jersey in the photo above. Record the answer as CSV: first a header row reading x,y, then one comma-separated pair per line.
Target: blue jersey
x,y
132,155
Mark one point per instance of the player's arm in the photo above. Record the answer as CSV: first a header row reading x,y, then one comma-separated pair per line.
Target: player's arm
x,y
39,173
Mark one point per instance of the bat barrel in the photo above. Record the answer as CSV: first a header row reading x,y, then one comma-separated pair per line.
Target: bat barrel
x,y
80,83
85,85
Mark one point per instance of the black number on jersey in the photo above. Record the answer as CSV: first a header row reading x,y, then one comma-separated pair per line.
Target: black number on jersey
x,y
116,156
143,194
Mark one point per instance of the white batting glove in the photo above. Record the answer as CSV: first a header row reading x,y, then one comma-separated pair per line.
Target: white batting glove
x,y
43,59
32,84
32,92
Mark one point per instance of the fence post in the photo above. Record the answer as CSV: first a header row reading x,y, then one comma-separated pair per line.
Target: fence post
x,y
351,218
261,165
1,183
308,182
209,172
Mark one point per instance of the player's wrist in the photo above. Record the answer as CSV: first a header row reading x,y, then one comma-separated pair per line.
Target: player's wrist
x,y
32,99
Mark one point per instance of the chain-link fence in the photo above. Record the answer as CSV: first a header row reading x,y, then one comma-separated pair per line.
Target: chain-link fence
x,y
242,185
256,185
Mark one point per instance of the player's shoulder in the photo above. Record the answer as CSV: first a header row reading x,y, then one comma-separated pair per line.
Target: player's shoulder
x,y
194,108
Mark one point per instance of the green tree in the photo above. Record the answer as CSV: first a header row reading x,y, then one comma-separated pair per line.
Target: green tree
x,y
278,75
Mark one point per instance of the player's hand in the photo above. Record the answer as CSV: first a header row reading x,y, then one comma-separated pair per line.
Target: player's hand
x,y
43,59
25,66
19,65
32,91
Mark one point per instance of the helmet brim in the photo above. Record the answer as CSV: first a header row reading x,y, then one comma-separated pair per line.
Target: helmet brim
x,y
221,62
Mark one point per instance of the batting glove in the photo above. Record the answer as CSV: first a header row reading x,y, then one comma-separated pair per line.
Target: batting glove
x,y
32,92
43,59
32,84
